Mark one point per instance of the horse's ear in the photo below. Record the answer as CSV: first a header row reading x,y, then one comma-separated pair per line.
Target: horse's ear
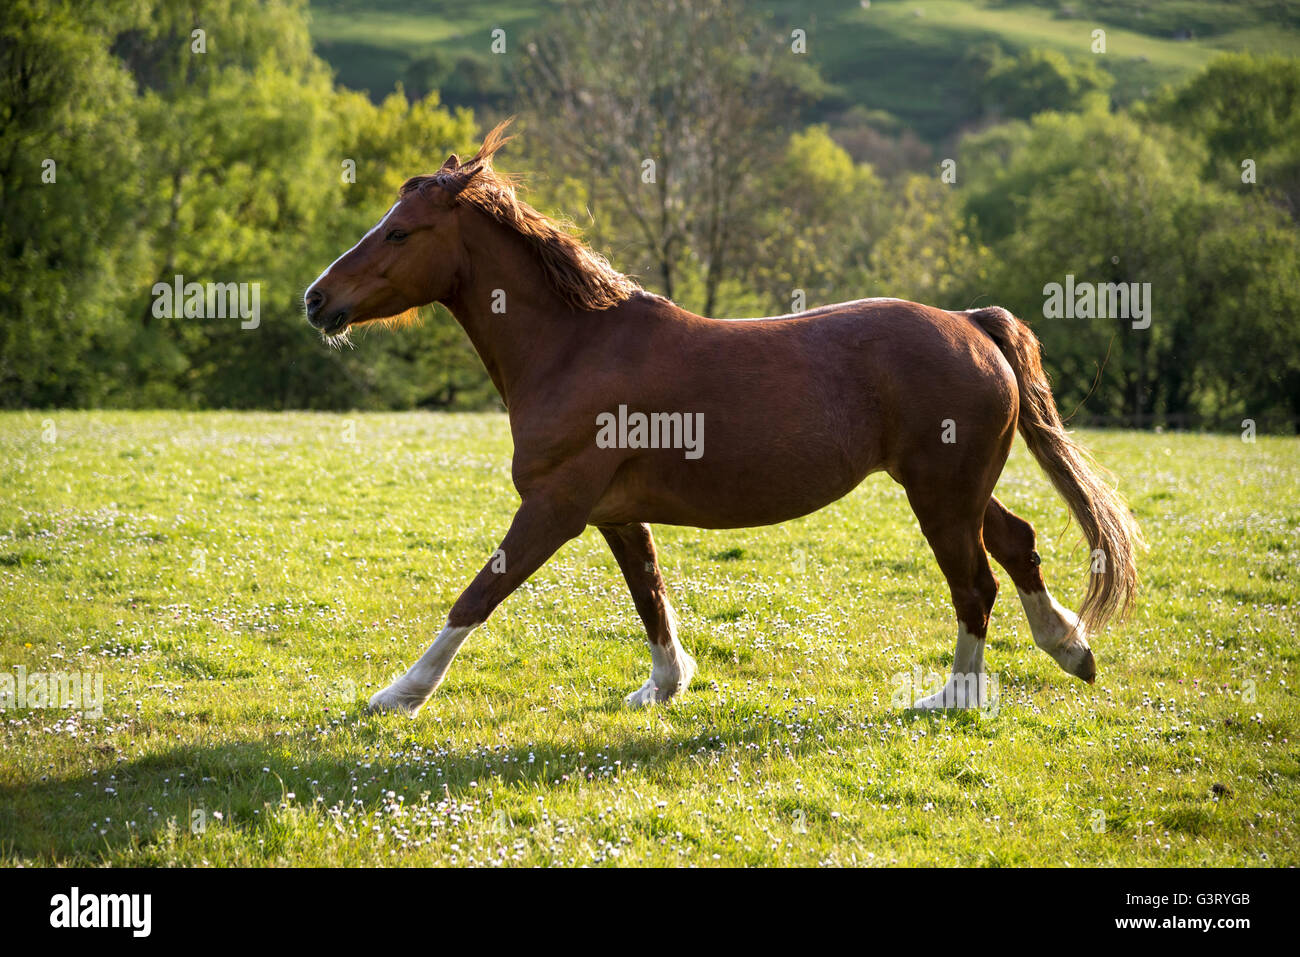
x,y
453,162
456,181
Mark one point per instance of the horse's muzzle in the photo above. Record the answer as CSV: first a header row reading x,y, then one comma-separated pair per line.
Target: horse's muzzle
x,y
332,323
328,321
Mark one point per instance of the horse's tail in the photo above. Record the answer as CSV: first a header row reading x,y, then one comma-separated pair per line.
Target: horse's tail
x,y
1108,525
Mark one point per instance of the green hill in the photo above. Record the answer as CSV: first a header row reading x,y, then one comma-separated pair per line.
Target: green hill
x,y
904,59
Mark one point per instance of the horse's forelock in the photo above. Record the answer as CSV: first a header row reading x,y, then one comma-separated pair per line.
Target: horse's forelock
x,y
582,277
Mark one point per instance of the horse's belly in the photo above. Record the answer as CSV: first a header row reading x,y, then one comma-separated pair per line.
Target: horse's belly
x,y
778,432
729,491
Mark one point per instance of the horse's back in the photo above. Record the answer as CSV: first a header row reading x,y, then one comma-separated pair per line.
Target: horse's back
x,y
797,410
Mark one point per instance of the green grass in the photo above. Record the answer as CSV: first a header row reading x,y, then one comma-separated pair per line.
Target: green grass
x,y
244,582
371,45
906,58
902,57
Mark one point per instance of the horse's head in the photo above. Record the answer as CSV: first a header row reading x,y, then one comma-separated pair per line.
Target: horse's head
x,y
412,257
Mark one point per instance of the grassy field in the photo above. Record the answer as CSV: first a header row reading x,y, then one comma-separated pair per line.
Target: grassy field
x,y
242,582
901,57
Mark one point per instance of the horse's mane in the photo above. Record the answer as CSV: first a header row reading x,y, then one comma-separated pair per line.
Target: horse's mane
x,y
583,278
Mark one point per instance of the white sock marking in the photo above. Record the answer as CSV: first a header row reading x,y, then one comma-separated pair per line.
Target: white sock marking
x,y
966,686
409,692
671,669
1056,630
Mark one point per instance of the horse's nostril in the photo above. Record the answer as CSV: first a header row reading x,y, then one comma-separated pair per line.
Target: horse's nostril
x,y
314,300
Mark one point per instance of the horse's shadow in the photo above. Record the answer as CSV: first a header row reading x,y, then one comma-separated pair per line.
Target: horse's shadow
x,y
133,810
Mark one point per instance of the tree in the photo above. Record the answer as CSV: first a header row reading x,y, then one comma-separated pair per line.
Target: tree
x,y
1040,81
928,254
819,214
68,191
1243,108
667,125
1103,199
219,156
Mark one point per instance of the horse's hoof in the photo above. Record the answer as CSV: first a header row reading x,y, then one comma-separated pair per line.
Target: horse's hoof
x,y
644,696
669,685
953,696
391,700
932,702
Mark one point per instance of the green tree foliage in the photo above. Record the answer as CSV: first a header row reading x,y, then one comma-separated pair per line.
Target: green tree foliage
x,y
818,216
145,139
1104,199
218,156
928,254
1038,81
69,189
1245,109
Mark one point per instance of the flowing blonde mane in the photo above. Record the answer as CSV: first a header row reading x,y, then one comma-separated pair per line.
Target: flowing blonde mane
x,y
583,278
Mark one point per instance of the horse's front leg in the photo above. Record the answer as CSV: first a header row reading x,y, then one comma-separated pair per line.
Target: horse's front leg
x,y
671,668
539,528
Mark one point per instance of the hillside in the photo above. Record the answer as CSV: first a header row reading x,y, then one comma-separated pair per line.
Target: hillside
x,y
907,62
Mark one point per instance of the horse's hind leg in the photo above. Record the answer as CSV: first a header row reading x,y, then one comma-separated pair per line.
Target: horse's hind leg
x,y
1010,540
671,667
948,490
955,540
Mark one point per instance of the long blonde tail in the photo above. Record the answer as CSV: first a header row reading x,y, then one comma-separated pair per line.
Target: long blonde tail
x,y
1108,525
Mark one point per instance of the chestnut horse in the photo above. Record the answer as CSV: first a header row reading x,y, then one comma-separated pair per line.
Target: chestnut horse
x,y
609,388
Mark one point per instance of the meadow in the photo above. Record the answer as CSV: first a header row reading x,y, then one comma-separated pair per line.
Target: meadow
x,y
903,59
243,582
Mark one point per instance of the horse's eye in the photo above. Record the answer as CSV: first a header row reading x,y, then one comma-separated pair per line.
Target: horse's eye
x,y
395,236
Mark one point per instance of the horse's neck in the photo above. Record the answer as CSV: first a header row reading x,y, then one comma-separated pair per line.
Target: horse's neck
x,y
505,304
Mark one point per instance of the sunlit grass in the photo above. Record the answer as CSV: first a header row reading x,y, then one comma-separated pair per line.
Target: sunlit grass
x,y
244,582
